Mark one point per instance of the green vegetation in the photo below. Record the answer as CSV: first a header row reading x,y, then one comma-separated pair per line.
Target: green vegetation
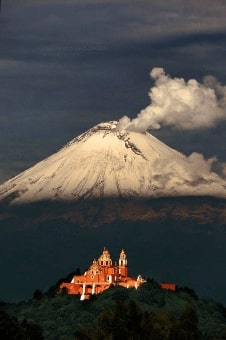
x,y
129,321
12,329
119,313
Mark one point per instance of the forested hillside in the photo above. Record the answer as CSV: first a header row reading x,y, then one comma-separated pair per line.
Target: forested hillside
x,y
119,313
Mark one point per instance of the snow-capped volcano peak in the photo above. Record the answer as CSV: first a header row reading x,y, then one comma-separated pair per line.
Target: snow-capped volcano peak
x,y
106,162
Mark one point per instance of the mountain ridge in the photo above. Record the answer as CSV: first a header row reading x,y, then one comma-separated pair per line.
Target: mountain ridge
x,y
200,210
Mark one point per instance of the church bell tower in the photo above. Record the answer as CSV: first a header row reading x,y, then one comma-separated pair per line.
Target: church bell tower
x,y
123,271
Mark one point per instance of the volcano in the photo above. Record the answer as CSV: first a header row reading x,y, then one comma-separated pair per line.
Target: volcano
x,y
104,162
120,189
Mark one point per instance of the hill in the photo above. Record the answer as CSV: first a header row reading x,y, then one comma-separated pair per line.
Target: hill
x,y
146,313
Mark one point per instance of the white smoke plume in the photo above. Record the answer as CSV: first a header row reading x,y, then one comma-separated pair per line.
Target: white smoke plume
x,y
183,105
223,170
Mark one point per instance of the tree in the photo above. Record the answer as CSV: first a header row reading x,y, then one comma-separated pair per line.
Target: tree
x,y
38,294
189,323
11,329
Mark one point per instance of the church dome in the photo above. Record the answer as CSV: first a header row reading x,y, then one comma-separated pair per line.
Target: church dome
x,y
105,258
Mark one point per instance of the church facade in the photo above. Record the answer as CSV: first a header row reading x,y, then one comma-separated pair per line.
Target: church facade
x,y
101,274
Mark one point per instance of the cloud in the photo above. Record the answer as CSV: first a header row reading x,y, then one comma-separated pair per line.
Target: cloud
x,y
192,172
199,167
119,20
179,103
223,170
220,91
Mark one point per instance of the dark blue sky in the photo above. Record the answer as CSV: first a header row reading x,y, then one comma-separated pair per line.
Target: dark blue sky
x,y
66,65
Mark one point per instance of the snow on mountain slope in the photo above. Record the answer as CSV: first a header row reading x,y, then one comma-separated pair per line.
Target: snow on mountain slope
x,y
105,162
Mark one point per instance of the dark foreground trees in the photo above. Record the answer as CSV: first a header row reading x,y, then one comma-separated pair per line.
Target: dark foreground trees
x,y
129,321
11,329
118,313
